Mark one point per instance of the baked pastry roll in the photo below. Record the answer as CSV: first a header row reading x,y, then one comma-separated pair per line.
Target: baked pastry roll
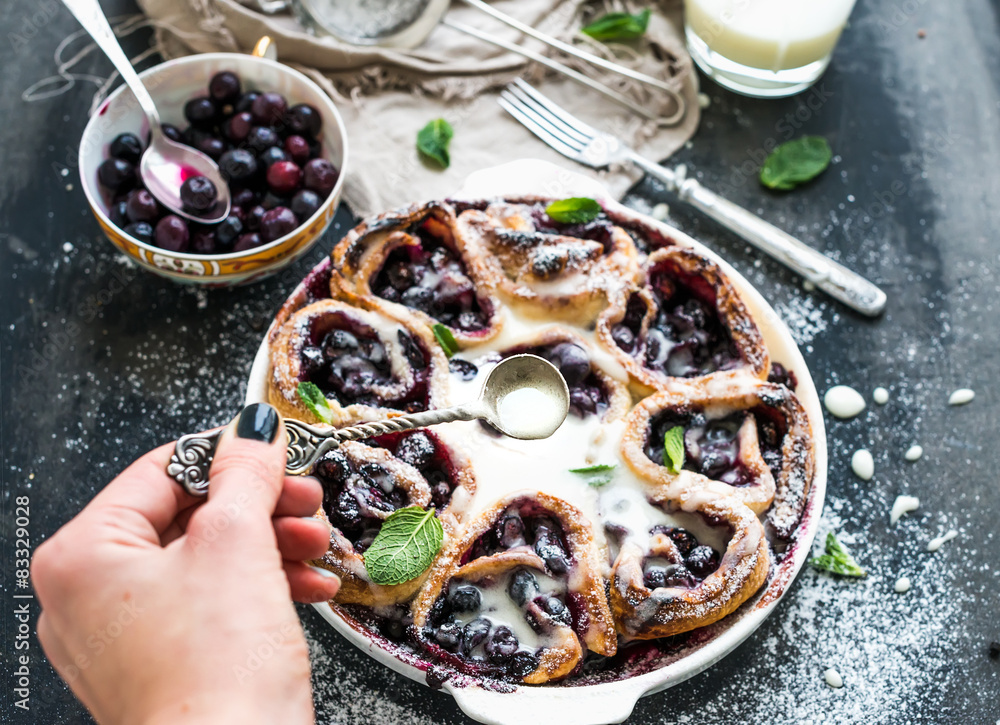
x,y
752,442
684,321
368,364
411,261
666,581
363,483
519,596
542,268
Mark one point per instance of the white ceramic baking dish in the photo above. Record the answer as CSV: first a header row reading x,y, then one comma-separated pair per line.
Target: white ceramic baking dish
x,y
612,702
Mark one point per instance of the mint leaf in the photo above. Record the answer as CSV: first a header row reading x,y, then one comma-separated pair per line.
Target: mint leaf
x,y
596,468
433,141
575,210
445,339
313,398
407,544
795,162
618,26
673,449
837,559
598,481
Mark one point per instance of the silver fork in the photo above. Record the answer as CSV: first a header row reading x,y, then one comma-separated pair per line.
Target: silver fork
x,y
576,140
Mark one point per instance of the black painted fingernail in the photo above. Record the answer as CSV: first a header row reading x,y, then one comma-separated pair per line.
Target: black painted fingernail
x,y
258,422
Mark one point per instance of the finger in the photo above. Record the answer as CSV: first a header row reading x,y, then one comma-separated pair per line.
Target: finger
x,y
247,475
143,498
300,496
300,539
309,584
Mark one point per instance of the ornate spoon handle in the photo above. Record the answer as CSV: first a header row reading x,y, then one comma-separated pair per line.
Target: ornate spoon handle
x,y
193,453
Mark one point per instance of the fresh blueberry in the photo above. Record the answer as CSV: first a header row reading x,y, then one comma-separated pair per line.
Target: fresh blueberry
x,y
463,368
554,607
127,147
269,109
224,87
141,206
262,137
298,148
172,132
245,103
247,242
511,532
238,126
115,174
238,165
118,213
254,216
172,234
228,231
305,203
272,155
304,120
202,240
200,112
198,193
284,177
277,223
244,198
143,231
320,176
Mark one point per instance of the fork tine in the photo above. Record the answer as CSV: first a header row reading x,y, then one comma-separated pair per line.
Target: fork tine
x,y
542,114
558,111
506,102
569,139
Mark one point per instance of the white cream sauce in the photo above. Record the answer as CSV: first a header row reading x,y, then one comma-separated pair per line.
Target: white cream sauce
x,y
528,412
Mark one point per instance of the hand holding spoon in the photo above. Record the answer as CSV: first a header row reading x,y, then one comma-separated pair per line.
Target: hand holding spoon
x,y
165,164
523,397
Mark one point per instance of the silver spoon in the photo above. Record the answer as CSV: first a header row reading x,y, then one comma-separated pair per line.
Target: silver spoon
x,y
514,385
165,164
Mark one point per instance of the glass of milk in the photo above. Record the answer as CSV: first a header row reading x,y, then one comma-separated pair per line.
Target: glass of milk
x,y
764,48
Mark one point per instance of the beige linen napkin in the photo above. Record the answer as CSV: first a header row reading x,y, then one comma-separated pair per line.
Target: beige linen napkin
x,y
387,95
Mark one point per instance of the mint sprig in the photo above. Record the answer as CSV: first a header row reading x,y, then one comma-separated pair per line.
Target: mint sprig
x,y
445,339
433,141
596,480
837,559
618,26
575,210
596,468
312,397
673,449
406,545
795,162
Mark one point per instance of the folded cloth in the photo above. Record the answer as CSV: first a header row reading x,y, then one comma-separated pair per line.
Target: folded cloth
x,y
386,95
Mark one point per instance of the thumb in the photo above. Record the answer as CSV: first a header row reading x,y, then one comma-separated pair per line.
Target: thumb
x,y
246,477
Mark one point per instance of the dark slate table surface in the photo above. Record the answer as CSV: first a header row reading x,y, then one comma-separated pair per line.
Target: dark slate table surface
x,y
100,363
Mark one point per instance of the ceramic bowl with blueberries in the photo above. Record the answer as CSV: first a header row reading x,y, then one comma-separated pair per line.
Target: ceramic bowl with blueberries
x,y
279,143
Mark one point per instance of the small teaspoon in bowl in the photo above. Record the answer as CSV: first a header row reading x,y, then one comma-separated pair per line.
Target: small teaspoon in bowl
x,y
524,397
165,164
